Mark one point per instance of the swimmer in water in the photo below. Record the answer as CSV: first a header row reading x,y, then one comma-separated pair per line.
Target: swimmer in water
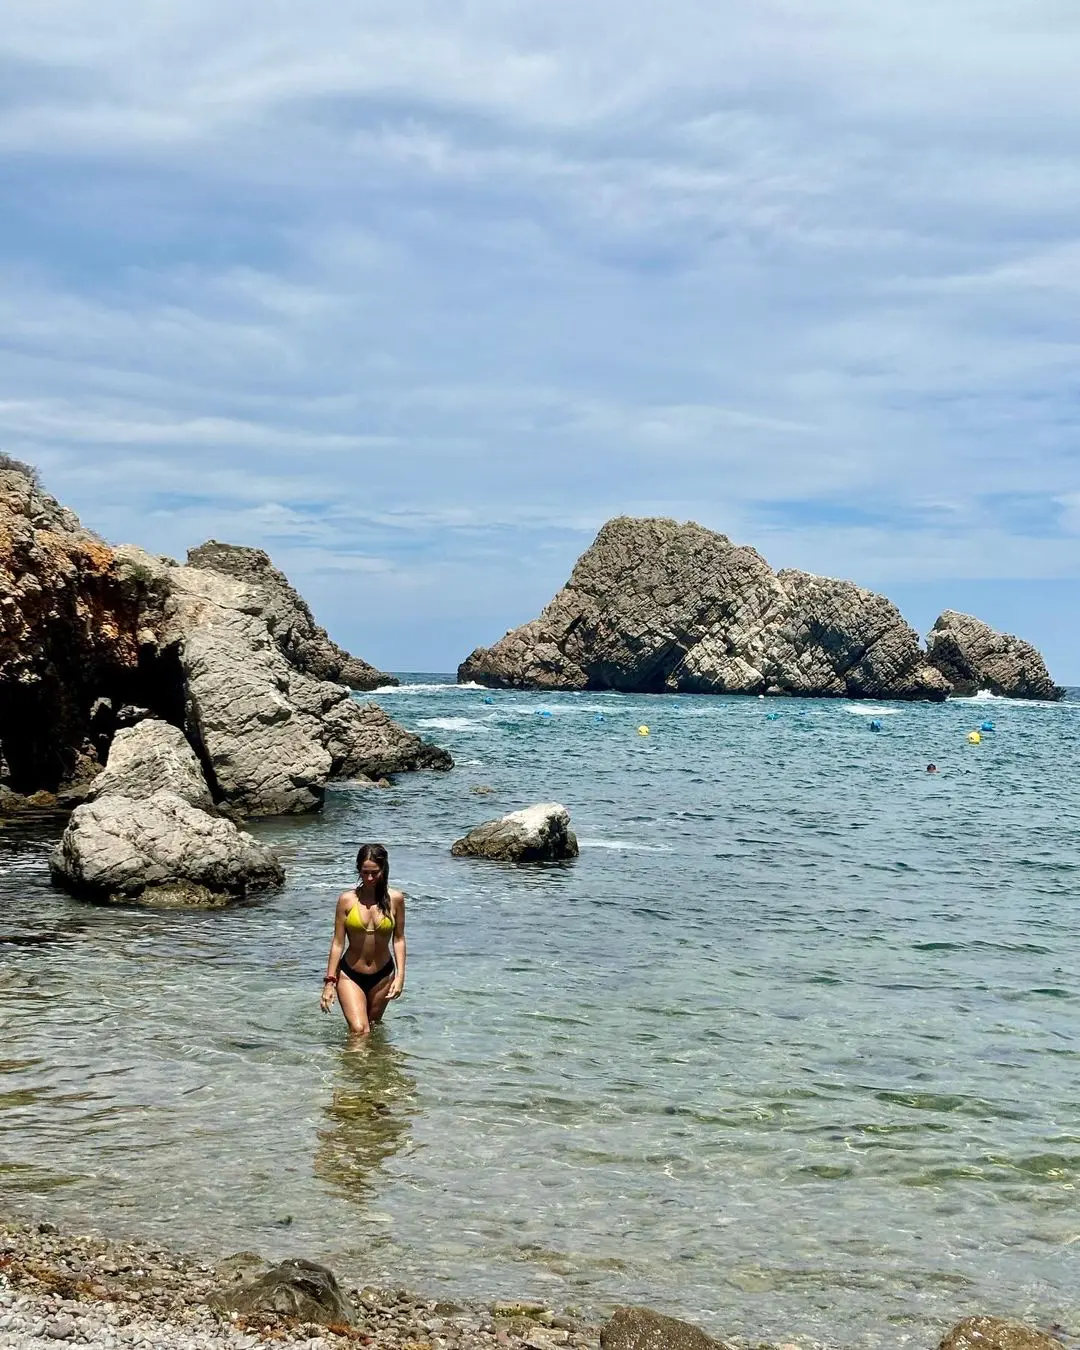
x,y
931,768
368,922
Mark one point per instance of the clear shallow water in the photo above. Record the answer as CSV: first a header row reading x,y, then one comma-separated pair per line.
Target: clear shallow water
x,y
791,1049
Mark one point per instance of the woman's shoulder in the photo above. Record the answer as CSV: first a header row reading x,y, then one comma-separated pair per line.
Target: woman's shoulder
x,y
347,898
397,897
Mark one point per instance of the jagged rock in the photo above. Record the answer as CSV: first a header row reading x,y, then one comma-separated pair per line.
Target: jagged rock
x,y
68,634
93,639
992,1333
270,736
305,645
643,1329
160,850
654,605
150,757
972,656
537,834
299,1289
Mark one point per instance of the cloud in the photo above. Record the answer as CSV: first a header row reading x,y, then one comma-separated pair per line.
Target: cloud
x,y
417,298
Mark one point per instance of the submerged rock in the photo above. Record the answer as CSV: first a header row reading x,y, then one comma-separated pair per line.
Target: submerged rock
x,y
539,833
159,851
993,1333
305,645
299,1289
973,656
656,606
643,1329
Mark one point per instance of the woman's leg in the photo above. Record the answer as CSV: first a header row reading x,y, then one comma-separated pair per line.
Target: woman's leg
x,y
378,998
353,1004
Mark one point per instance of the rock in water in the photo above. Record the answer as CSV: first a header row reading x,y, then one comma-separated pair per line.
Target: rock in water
x,y
148,757
658,606
305,645
992,1333
538,834
643,1329
159,850
299,1289
973,656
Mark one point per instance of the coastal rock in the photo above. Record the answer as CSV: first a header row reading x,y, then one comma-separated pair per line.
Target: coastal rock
x,y
992,1333
299,1289
68,635
149,757
302,642
539,833
643,1329
160,850
657,606
972,656
94,639
269,736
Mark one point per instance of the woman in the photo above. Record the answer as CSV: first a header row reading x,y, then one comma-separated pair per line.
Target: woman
x,y
370,919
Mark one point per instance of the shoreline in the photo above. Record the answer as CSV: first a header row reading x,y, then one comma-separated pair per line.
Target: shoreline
x,y
91,1289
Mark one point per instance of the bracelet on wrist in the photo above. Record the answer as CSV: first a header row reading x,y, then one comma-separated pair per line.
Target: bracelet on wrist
x,y
329,979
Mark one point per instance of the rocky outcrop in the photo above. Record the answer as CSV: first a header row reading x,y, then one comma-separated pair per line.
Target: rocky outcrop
x,y
656,606
95,638
269,736
152,834
298,1289
973,656
305,645
994,1333
537,834
643,1329
69,634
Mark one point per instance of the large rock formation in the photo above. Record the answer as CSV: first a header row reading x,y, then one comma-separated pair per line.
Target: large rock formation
x,y
305,645
152,834
69,624
93,637
539,833
972,656
656,606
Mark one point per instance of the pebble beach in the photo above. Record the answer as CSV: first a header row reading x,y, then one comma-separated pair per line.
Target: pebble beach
x,y
58,1287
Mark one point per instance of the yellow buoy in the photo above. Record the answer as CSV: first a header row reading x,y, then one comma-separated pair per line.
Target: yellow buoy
x,y
974,738
643,731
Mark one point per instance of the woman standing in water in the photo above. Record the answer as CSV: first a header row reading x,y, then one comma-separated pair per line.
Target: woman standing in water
x,y
368,922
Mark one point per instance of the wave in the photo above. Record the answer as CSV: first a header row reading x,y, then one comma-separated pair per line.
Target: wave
x,y
870,712
626,845
984,696
452,724
424,688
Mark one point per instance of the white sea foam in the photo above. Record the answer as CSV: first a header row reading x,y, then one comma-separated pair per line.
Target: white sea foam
x,y
422,688
870,712
626,845
452,723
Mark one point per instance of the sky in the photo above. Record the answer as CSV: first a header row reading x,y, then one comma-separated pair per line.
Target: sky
x,y
416,295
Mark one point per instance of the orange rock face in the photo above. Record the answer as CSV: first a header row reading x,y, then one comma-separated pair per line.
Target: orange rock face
x,y
68,636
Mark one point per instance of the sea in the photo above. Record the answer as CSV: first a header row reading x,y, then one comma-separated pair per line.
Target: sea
x,y
791,1050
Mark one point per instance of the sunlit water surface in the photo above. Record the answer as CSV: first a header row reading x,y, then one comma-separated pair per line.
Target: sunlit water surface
x,y
791,1049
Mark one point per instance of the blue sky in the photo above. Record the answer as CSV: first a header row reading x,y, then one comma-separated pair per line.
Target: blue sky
x,y
417,295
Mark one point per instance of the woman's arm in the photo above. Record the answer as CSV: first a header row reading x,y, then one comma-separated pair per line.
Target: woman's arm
x,y
397,909
337,946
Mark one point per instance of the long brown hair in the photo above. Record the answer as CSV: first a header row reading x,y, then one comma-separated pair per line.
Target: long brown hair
x,y
377,854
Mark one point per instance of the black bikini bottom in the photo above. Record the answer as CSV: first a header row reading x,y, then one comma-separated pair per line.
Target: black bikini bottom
x,y
366,982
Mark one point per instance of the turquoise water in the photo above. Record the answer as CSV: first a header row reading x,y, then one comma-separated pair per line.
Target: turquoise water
x,y
791,1049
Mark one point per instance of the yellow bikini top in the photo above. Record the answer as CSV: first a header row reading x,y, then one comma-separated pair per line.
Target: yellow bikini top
x,y
354,922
